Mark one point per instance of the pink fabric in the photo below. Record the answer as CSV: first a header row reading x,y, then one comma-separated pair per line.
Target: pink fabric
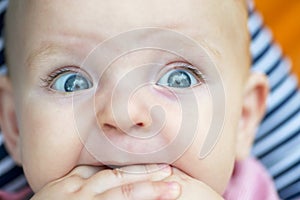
x,y
24,193
250,181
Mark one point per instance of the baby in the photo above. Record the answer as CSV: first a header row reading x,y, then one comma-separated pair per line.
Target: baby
x,y
133,100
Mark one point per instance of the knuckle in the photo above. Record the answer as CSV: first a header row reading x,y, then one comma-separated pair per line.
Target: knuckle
x,y
184,178
127,191
178,178
156,187
77,170
72,184
118,173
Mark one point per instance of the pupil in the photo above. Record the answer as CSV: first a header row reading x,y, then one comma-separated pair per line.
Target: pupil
x,y
179,79
75,82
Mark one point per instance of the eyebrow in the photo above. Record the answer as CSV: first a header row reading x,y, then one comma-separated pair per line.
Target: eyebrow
x,y
51,47
60,44
44,50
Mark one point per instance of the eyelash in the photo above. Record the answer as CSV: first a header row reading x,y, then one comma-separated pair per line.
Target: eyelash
x,y
189,67
53,75
46,82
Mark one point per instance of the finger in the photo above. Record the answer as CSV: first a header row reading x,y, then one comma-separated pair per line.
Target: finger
x,y
192,188
181,174
154,170
74,180
143,190
178,171
85,171
108,179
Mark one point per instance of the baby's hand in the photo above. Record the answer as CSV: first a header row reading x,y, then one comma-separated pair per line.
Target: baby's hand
x,y
191,188
87,182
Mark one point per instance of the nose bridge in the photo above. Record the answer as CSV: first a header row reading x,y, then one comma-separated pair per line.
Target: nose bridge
x,y
123,105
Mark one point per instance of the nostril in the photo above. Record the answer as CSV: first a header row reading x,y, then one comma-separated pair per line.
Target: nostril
x,y
141,124
108,126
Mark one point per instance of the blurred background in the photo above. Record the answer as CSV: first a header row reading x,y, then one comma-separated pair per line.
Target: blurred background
x,y
283,17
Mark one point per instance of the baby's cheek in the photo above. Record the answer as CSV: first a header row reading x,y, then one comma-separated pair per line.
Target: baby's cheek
x,y
216,167
49,144
214,170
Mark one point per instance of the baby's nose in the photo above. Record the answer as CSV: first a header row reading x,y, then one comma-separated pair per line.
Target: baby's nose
x,y
132,119
123,115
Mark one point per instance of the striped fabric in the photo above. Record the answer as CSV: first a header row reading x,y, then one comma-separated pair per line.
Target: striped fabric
x,y
278,138
11,176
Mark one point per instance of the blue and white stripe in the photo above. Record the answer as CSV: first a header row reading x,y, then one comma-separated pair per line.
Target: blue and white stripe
x,y
278,138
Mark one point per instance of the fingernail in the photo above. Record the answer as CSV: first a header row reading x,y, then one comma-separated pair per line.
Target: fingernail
x,y
173,191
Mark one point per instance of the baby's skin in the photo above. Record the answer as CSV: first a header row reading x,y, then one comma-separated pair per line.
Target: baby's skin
x,y
58,93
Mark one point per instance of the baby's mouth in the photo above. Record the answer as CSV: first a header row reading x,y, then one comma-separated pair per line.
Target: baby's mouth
x,y
87,159
132,167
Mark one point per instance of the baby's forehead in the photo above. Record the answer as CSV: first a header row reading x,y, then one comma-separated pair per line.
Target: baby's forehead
x,y
214,22
191,17
185,11
187,15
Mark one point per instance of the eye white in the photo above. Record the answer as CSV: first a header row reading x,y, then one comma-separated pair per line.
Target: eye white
x,y
178,78
71,82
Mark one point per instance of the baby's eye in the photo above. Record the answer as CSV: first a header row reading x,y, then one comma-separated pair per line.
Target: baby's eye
x,y
179,78
71,82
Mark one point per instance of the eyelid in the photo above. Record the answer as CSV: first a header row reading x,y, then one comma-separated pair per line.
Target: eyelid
x,y
188,66
48,81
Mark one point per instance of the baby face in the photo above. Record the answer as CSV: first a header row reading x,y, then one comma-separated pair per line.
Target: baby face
x,y
67,91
